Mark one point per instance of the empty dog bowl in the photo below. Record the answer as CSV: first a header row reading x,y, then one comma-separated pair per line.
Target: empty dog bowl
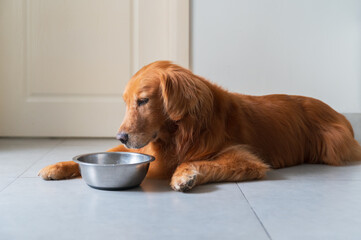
x,y
113,170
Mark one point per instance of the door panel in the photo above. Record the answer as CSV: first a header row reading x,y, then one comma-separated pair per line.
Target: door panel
x,y
64,64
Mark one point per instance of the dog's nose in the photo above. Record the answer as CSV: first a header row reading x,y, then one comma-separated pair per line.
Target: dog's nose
x,y
123,137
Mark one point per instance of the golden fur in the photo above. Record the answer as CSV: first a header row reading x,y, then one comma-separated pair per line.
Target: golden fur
x,y
201,133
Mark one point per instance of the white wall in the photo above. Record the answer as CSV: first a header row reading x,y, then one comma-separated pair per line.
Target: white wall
x,y
304,47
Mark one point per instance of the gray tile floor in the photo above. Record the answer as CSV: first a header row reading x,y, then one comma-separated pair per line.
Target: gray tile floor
x,y
303,202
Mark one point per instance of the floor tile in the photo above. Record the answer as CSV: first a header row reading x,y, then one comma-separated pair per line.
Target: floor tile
x,y
67,150
5,181
16,155
106,143
302,202
317,171
296,209
32,148
72,210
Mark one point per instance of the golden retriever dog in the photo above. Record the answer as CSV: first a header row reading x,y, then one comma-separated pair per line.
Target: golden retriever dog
x,y
200,133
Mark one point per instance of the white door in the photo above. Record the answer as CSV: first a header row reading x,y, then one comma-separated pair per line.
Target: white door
x,y
64,63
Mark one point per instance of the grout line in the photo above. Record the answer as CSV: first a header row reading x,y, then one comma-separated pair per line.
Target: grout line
x,y
41,158
8,184
254,212
16,178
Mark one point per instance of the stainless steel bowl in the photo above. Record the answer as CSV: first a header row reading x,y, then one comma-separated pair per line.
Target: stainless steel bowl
x,y
113,170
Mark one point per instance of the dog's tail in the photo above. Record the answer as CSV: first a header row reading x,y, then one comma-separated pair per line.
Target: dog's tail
x,y
355,152
355,146
338,146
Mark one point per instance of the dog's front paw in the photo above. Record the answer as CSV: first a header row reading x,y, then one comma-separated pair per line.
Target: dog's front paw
x,y
61,170
184,179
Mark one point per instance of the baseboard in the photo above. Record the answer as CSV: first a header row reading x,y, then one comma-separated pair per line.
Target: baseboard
x,y
355,120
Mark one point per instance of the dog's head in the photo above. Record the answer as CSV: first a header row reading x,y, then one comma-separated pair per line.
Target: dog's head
x,y
159,93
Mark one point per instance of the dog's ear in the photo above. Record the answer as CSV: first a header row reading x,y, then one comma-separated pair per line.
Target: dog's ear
x,y
185,95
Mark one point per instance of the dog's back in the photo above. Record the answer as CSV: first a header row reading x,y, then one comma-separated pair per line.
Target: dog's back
x,y
289,130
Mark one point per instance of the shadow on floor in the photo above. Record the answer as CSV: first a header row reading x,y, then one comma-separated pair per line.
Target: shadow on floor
x,y
153,185
315,171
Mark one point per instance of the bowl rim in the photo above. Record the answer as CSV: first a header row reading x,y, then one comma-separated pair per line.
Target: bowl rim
x,y
75,159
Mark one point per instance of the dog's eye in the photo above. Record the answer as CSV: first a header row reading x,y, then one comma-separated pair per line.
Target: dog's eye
x,y
142,101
